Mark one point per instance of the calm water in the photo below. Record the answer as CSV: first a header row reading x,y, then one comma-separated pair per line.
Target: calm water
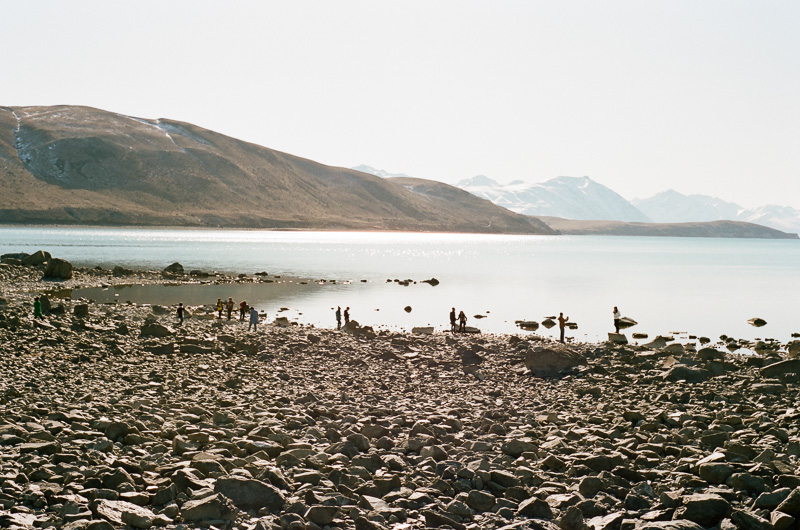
x,y
694,286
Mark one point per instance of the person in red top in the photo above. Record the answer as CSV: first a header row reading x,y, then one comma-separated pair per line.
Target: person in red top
x,y
242,309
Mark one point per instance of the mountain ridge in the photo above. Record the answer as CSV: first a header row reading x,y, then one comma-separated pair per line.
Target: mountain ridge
x,y
80,165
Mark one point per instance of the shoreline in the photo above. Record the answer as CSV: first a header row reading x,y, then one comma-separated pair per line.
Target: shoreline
x,y
27,281
112,415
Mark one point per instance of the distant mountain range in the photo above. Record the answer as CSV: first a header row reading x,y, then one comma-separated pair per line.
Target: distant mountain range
x,y
583,199
79,165
568,197
673,207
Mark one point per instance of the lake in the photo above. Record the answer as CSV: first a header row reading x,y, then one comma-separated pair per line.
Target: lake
x,y
686,285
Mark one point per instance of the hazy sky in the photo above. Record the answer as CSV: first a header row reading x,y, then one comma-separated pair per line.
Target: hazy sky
x,y
698,96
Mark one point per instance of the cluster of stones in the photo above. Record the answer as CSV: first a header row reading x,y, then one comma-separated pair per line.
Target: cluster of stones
x,y
110,418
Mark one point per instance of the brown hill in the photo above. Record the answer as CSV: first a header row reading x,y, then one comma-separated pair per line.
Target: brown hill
x,y
79,165
732,229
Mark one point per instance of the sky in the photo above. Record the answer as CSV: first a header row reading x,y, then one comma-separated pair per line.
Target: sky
x,y
692,95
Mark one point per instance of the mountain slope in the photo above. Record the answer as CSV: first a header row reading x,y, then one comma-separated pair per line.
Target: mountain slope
x,y
566,197
78,165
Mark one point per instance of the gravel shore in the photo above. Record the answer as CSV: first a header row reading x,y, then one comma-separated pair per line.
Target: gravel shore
x,y
111,416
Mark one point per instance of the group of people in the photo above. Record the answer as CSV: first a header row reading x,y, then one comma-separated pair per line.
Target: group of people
x,y
462,321
457,323
228,306
339,316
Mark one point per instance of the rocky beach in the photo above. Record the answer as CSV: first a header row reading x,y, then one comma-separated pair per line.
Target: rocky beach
x,y
113,416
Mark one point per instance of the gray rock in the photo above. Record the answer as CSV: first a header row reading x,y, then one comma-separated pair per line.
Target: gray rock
x,y
680,372
781,521
749,521
790,366
480,500
516,447
175,268
771,499
122,512
37,258
58,269
250,494
791,504
678,524
572,520
617,338
213,508
715,473
156,330
703,509
534,508
551,361
322,515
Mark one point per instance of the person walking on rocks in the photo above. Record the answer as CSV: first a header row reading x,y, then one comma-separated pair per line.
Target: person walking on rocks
x,y
346,315
453,320
562,324
253,319
617,316
229,307
180,313
462,322
37,308
242,309
220,306
339,317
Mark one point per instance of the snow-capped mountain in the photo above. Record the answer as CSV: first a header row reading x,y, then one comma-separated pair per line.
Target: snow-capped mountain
x,y
578,198
673,207
784,218
582,199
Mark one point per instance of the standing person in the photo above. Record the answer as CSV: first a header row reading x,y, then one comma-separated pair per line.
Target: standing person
x,y
253,319
242,309
180,313
562,324
346,315
617,316
37,308
453,320
220,306
229,307
462,322
339,317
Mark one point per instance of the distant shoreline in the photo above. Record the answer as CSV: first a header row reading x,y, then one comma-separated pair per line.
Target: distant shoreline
x,y
565,227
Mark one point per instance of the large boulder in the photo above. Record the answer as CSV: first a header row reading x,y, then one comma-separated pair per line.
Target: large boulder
x,y
705,509
58,269
37,258
551,361
681,372
791,366
250,494
123,513
214,508
152,329
617,338
175,268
